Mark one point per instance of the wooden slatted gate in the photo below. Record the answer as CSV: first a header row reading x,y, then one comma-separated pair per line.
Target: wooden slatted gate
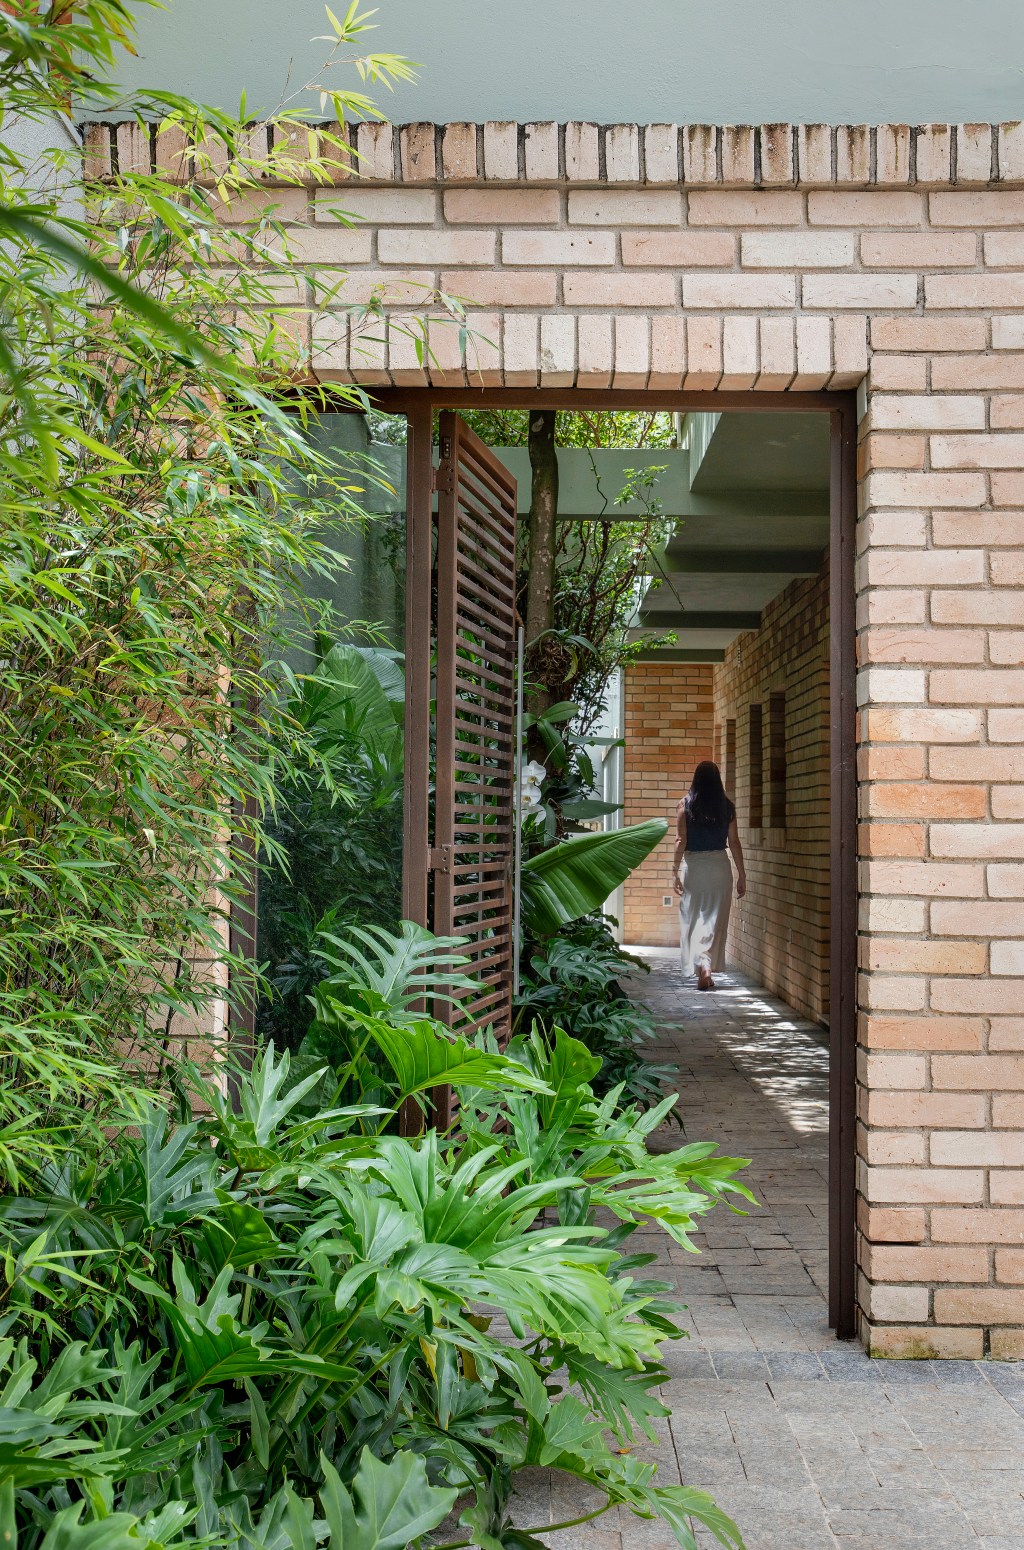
x,y
475,629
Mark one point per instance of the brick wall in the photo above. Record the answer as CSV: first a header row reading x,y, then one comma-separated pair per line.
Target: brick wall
x,y
668,730
780,931
888,259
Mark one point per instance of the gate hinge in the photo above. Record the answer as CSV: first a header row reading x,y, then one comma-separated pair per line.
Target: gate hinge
x,y
439,858
443,477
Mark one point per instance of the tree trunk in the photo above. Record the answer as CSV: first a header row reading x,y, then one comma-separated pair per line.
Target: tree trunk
x,y
540,587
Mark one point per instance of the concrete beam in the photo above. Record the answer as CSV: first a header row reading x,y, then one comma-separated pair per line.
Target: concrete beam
x,y
678,619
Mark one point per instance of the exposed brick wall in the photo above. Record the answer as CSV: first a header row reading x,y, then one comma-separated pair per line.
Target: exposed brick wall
x,y
780,931
890,259
668,730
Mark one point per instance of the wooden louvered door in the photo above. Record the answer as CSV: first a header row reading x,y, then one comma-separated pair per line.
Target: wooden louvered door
x,y
475,639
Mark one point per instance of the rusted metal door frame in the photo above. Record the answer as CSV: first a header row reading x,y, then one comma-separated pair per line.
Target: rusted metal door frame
x,y
419,405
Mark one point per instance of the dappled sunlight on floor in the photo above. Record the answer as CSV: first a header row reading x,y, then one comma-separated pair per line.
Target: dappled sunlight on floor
x,y
806,1442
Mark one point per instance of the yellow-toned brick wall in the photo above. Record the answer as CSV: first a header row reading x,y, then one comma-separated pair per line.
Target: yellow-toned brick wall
x,y
668,730
780,931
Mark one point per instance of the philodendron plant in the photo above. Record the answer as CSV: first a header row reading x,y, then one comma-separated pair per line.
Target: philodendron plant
x,y
275,1325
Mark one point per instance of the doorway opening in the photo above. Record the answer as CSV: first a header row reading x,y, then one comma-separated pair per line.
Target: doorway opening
x,y
741,648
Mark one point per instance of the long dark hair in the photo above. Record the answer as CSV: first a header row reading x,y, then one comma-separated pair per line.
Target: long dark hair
x,y
706,801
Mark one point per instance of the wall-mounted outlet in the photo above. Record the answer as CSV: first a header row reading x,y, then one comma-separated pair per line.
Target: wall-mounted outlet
x,y
666,900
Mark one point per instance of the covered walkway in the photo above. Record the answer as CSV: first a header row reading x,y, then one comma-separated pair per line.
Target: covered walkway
x,y
807,1443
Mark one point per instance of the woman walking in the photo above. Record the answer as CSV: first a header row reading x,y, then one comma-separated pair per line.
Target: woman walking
x,y
705,825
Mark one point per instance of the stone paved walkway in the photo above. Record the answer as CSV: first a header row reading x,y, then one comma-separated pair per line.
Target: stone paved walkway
x,y
807,1443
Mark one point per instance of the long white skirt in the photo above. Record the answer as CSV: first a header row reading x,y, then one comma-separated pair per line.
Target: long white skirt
x,y
704,910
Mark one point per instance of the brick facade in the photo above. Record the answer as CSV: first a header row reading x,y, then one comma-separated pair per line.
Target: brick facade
x,y
779,674
891,260
668,721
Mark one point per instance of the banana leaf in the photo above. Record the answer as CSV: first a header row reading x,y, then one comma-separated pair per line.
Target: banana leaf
x,y
576,877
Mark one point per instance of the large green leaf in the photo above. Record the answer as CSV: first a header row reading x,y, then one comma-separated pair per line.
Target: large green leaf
x,y
389,1506
346,697
676,1505
571,879
422,1057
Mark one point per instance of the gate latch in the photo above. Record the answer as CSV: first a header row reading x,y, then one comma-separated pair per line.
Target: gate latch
x,y
439,858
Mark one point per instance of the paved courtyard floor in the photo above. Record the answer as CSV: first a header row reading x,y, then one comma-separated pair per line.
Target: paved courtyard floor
x,y
804,1441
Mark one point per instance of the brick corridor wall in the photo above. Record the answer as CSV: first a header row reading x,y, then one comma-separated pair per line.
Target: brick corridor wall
x,y
668,730
780,931
888,259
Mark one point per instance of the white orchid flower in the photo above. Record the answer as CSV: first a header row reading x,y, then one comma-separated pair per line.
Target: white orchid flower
x,y
531,776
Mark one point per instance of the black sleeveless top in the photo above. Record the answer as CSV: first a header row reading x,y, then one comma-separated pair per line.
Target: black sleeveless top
x,y
709,836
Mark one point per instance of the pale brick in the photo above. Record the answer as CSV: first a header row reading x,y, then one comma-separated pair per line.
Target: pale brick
x,y
501,287
582,163
557,350
866,293
892,686
1010,1267
915,1341
1007,726
501,151
729,292
973,153
737,153
988,607
595,352
96,152
978,371
977,764
483,349
929,1111
625,207
897,1262
1010,151
328,245
776,153
1008,957
777,207
1004,249
418,150
924,799
458,153
133,153
977,1226
967,686
987,451
933,334
925,726
890,1148
1008,333
934,149
1006,411
638,289
892,153
928,411
918,250
435,247
980,1305
558,248
375,148
739,352
522,349
901,1304
814,361
853,153
899,450
1007,1113
963,292
974,210
376,206
172,151
622,153
1006,649
502,206
938,1186
979,1073
926,489
632,352
850,350
678,249
703,353
540,143
891,605
814,153
927,878
797,249
661,153
968,1149
778,353
868,208
892,993
917,567
994,528
1006,881
887,914
411,288
700,153
668,352
1007,1189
